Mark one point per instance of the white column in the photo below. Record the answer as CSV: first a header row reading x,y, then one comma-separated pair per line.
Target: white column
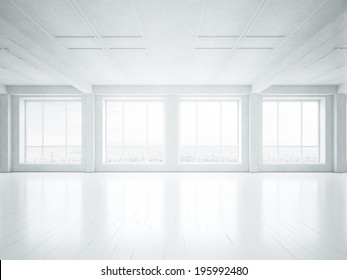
x,y
89,131
339,133
172,132
5,132
254,132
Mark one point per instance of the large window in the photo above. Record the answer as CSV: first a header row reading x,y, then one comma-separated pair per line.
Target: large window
x,y
210,131
133,131
291,131
51,131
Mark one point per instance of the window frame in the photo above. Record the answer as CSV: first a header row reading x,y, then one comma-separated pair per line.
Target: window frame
x,y
325,134
301,146
104,131
24,147
239,128
18,118
171,127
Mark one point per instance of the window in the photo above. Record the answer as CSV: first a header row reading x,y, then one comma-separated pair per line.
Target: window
x,y
51,131
133,131
291,131
209,131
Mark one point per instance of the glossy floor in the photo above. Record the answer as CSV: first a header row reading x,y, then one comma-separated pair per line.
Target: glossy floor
x,y
173,216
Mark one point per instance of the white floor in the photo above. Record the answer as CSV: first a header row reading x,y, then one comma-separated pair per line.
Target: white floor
x,y
173,216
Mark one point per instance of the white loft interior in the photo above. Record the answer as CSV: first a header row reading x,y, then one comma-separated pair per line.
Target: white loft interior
x,y
173,85
183,85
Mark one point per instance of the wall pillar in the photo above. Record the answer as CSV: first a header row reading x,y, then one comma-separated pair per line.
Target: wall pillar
x,y
254,132
5,132
339,133
89,132
172,139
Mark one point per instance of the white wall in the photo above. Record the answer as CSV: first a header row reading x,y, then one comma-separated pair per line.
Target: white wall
x,y
251,126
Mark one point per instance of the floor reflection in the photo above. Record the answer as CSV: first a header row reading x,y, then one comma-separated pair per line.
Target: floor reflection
x,y
173,216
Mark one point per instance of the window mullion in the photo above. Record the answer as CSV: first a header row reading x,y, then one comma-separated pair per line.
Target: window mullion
x,y
66,131
238,131
301,131
122,132
105,132
278,132
318,130
42,130
146,159
196,131
25,131
220,130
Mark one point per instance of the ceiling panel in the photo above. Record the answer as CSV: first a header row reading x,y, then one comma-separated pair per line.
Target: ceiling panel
x,y
109,17
231,41
78,42
135,63
99,67
129,42
91,42
224,17
181,41
216,42
281,17
56,16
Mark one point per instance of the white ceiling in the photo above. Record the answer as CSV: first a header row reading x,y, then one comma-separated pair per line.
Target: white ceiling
x,y
245,42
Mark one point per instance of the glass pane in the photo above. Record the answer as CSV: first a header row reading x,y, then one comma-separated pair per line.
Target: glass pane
x,y
114,123
135,123
230,155
133,154
54,123
229,118
310,123
208,124
188,154
289,123
73,155
289,155
188,123
54,155
33,155
270,124
114,154
74,123
208,154
269,155
310,155
33,121
155,154
155,124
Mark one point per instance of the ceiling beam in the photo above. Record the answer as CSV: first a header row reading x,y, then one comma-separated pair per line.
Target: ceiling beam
x,y
35,54
339,71
296,47
99,38
3,89
19,67
251,23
